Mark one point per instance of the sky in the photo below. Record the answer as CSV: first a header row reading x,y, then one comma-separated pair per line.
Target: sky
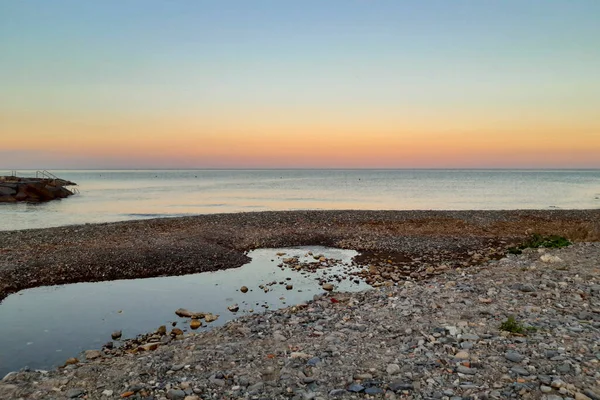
x,y
299,84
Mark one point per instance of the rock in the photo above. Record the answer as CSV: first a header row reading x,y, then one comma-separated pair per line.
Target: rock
x,y
162,330
581,396
374,390
392,369
75,393
233,308
336,392
328,287
210,317
71,361
549,258
244,289
545,389
92,354
116,335
356,388
107,393
514,356
176,332
195,324
175,394
463,355
466,370
313,361
289,287
182,312
591,394
517,369
398,386
148,347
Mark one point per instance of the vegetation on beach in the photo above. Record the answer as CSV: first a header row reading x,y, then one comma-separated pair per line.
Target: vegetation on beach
x,y
536,241
513,326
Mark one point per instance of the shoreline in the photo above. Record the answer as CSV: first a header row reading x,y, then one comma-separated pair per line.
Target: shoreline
x,y
183,245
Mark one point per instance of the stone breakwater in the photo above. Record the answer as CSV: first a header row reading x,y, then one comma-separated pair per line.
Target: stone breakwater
x,y
14,189
399,244
441,337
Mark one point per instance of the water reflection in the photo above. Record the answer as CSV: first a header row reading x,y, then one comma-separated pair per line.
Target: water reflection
x,y
42,327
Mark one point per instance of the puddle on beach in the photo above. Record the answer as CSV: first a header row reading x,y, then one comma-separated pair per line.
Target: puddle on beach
x,y
42,327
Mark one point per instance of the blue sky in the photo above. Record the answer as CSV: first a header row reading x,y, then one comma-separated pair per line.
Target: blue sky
x,y
329,60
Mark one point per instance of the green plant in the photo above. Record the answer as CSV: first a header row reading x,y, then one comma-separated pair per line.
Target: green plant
x,y
513,326
536,241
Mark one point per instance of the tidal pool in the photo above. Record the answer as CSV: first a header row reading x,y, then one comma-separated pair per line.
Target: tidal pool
x,y
42,327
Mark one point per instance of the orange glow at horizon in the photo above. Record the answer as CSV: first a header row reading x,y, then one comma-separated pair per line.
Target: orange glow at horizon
x,y
362,141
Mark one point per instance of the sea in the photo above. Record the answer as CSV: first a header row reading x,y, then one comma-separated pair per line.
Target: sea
x,y
118,195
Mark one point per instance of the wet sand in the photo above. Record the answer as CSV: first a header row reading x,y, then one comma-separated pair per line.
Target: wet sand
x,y
176,246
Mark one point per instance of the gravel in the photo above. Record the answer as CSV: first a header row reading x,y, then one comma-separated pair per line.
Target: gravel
x,y
396,341
177,246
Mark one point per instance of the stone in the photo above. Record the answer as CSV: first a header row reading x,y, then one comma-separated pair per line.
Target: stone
x,y
148,347
233,308
517,369
336,392
107,393
92,354
75,393
175,394
210,317
176,332
289,287
71,361
466,370
374,390
392,369
313,361
244,289
116,335
514,356
328,287
463,355
398,386
162,330
549,258
356,388
195,324
581,396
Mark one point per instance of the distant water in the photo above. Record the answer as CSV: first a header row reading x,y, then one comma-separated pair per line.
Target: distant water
x,y
135,194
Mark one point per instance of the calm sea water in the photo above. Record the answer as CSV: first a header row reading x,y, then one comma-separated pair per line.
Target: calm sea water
x,y
125,194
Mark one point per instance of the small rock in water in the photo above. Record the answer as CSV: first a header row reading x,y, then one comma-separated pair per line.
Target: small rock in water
x,y
176,332
289,287
233,308
116,335
71,361
328,287
244,289
195,324
210,317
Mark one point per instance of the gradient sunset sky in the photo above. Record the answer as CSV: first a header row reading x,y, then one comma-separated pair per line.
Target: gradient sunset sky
x,y
317,84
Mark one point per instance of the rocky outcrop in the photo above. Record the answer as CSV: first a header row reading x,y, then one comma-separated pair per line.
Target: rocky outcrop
x,y
35,190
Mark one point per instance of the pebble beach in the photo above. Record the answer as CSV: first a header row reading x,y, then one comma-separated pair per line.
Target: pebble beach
x,y
443,285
